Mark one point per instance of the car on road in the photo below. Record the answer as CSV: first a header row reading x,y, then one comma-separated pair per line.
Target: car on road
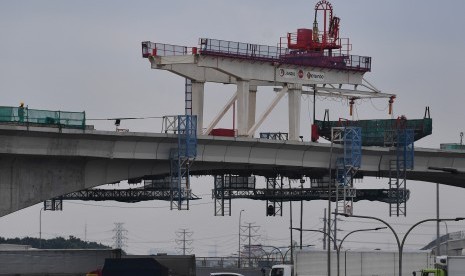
x,y
225,274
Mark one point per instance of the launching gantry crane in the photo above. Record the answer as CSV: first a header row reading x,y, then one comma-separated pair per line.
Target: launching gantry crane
x,y
311,61
314,61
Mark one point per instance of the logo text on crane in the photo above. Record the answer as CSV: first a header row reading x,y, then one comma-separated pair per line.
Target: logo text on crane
x,y
301,74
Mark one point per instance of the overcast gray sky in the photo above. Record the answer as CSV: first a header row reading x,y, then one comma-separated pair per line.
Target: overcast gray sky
x,y
85,56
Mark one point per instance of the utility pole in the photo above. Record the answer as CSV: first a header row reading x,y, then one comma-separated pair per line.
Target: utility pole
x,y
239,249
302,181
438,235
183,241
120,235
335,228
251,231
290,224
324,229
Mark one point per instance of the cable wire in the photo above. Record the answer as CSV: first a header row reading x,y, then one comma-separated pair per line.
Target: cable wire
x,y
125,118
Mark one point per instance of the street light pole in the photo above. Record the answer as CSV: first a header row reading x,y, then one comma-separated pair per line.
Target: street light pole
x,y
329,244
289,249
411,228
392,230
400,245
319,231
348,234
338,248
438,234
239,252
274,248
40,227
447,238
290,224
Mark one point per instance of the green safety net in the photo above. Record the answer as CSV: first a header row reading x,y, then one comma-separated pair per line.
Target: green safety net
x,y
42,117
453,147
374,131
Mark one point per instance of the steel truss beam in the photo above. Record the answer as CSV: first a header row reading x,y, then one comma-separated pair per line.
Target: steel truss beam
x,y
121,195
336,90
308,194
284,194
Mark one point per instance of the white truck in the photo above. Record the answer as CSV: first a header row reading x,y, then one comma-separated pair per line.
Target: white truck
x,y
446,266
355,262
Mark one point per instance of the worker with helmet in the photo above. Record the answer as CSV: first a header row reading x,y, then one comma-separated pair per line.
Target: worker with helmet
x,y
21,112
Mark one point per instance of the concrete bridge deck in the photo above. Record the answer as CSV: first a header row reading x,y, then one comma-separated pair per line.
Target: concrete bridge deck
x,y
38,163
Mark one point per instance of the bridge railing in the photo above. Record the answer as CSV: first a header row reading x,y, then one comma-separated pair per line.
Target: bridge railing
x,y
338,60
25,115
162,49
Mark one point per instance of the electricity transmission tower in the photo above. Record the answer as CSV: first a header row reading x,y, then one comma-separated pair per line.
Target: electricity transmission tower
x,y
120,235
249,232
183,241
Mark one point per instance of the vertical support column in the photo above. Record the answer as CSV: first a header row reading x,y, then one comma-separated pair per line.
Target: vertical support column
x,y
242,108
197,103
252,104
295,97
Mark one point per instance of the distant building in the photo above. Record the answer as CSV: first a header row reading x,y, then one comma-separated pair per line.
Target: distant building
x,y
158,251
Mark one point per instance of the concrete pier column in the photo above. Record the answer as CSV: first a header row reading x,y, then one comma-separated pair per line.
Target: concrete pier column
x,y
197,103
295,97
242,108
252,104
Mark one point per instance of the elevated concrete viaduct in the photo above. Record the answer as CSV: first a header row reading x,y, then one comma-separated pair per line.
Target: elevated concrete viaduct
x,y
38,163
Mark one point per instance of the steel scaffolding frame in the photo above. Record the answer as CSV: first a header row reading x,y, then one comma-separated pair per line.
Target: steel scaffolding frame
x,y
221,196
403,140
274,205
224,187
347,165
181,159
54,204
274,135
188,97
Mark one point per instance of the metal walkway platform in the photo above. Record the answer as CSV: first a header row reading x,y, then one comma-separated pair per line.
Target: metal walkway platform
x,y
308,194
121,195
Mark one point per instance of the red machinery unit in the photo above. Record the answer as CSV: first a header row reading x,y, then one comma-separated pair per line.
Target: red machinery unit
x,y
315,135
227,132
304,39
314,39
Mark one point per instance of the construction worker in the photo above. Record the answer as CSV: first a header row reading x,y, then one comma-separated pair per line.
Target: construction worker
x,y
348,209
21,112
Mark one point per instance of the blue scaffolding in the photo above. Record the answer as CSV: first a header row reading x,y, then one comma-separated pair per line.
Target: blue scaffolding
x,y
404,143
181,159
405,149
347,165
